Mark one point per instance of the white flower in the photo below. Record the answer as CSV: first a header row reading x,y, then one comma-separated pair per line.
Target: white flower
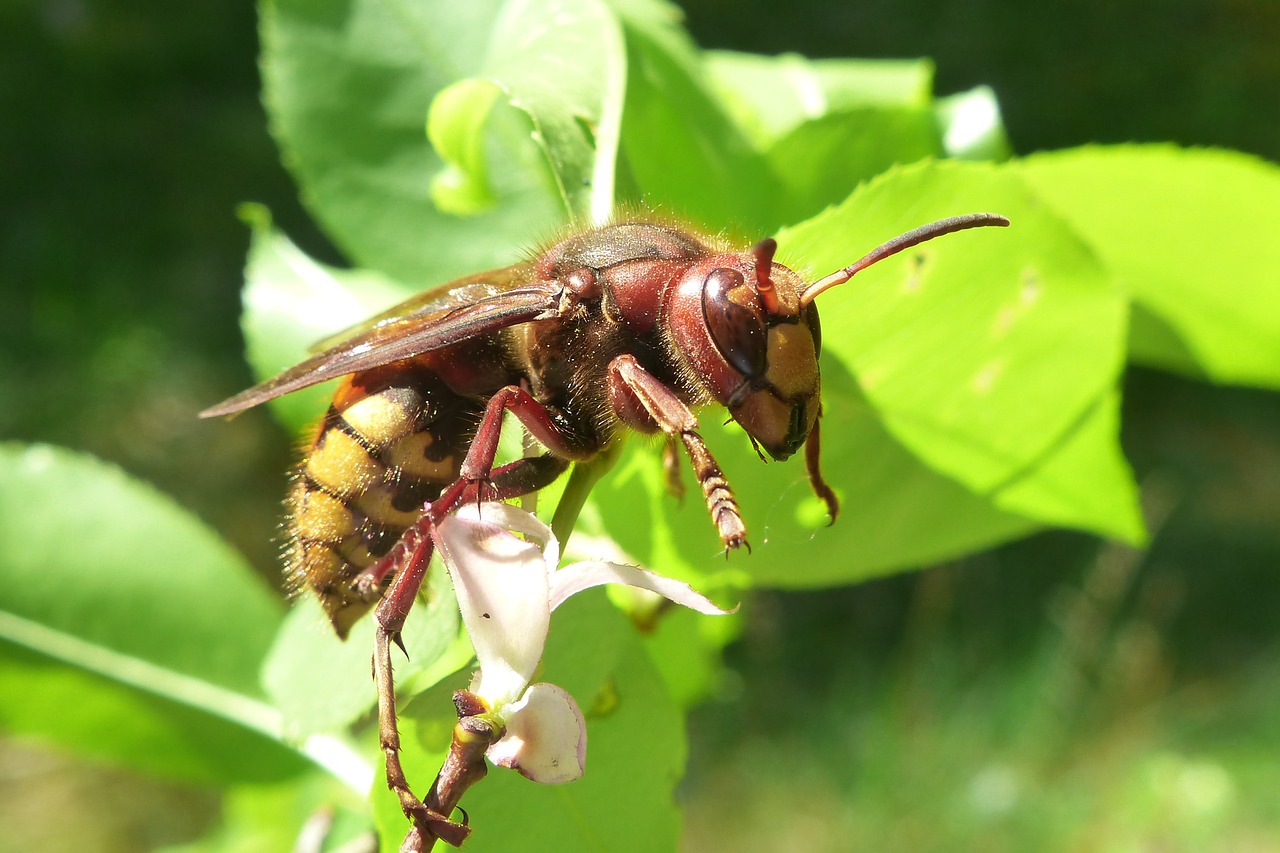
x,y
507,588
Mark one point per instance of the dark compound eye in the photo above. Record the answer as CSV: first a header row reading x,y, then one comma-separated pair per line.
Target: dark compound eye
x,y
735,319
815,329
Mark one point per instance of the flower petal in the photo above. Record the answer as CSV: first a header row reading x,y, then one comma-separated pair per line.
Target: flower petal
x,y
579,576
501,584
517,520
546,738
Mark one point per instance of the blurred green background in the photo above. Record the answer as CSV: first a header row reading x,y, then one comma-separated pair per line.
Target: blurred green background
x,y
1058,693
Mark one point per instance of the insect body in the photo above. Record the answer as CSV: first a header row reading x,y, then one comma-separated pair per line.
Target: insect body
x,y
630,326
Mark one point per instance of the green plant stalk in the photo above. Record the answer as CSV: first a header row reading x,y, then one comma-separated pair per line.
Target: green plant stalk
x,y
334,755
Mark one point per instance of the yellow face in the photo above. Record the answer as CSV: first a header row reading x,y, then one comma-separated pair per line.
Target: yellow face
x,y
781,407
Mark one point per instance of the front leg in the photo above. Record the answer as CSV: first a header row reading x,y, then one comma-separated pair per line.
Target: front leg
x,y
535,418
643,402
407,562
812,452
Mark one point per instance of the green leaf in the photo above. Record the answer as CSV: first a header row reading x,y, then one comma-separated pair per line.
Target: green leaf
x,y
772,95
818,162
1192,235
683,150
321,683
563,63
981,349
165,623
348,86
291,302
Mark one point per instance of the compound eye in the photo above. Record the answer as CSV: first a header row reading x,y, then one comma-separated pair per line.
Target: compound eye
x,y
815,329
735,319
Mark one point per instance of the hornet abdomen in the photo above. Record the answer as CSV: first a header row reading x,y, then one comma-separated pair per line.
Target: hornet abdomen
x,y
391,441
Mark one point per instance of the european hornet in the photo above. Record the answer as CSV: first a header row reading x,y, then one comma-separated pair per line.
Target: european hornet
x,y
627,326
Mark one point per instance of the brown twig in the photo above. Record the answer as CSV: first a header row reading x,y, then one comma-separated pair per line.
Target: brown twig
x,y
465,765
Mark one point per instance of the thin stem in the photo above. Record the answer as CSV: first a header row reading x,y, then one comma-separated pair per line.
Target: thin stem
x,y
463,767
335,756
582,479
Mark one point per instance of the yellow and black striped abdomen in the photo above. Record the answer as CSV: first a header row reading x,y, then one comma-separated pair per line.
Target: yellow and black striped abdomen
x,y
383,449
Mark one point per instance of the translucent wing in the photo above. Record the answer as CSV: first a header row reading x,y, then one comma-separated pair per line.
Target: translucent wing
x,y
434,300
432,320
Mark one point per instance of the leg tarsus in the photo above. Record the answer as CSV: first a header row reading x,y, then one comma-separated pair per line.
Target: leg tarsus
x,y
812,464
428,823
721,504
633,387
390,619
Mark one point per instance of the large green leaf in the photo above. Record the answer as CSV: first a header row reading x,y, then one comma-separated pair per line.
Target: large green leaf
x,y
685,154
160,625
1192,234
819,161
349,86
772,95
980,350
